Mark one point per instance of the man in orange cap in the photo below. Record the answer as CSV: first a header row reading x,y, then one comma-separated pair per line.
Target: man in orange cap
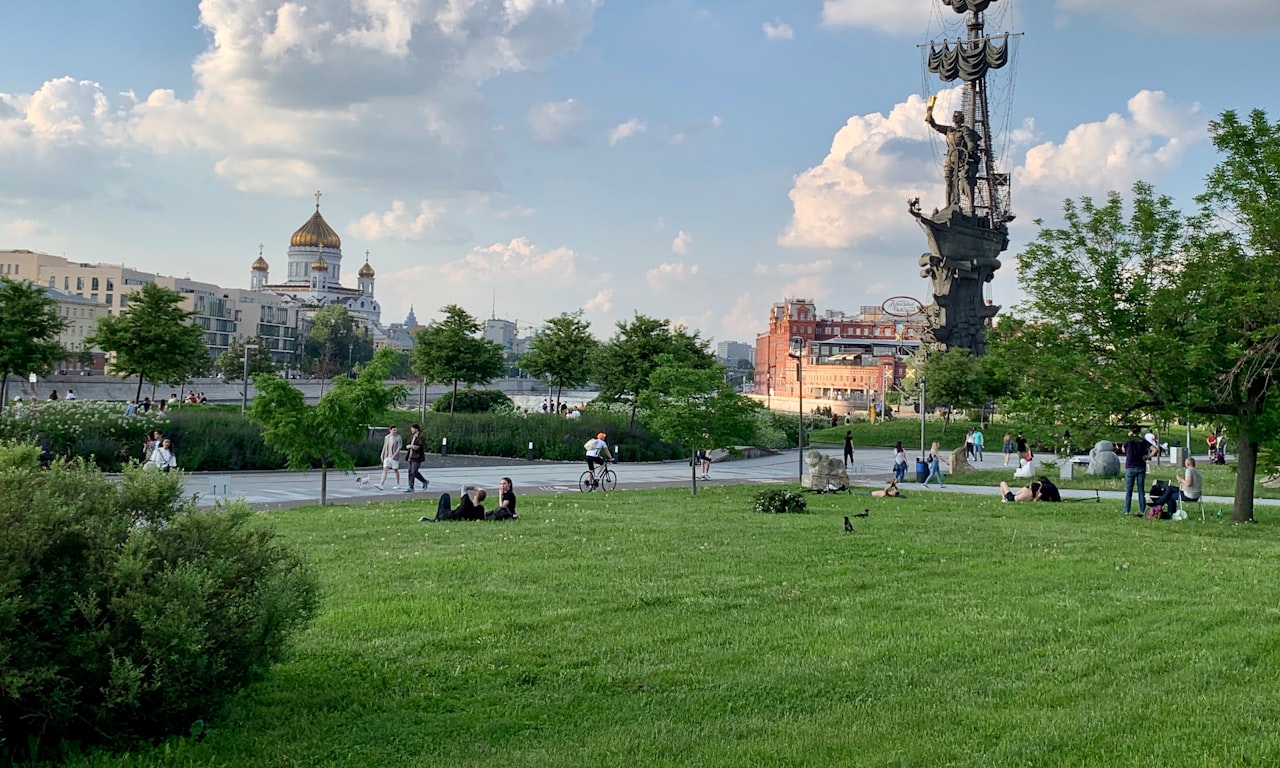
x,y
595,447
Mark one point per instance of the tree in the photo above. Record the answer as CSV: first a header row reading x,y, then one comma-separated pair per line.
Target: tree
x,y
29,328
153,338
317,433
959,379
561,353
624,364
231,363
335,342
448,351
1226,315
695,406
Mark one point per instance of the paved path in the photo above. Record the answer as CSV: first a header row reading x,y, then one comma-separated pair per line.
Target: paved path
x,y
267,490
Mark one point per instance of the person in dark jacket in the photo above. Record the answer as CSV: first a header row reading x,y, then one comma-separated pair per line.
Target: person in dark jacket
x,y
469,508
506,509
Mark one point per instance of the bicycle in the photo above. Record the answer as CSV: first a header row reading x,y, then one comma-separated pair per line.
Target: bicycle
x,y
606,481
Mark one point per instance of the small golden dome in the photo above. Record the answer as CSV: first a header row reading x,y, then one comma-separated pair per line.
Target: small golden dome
x,y
366,270
316,233
319,265
260,265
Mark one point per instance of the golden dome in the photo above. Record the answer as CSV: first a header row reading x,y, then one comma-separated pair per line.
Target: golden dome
x,y
319,265
260,265
366,270
316,233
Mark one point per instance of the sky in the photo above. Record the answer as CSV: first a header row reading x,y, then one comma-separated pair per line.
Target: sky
x,y
695,160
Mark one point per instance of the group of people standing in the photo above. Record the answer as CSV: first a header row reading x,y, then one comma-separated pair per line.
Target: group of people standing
x,y
158,451
1137,451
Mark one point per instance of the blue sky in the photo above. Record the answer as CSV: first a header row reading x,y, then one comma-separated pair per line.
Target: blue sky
x,y
696,160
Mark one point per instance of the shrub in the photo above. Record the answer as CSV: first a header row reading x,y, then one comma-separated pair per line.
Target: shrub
x,y
125,613
778,501
95,430
473,401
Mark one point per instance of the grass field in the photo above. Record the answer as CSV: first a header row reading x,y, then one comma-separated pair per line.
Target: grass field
x,y
649,628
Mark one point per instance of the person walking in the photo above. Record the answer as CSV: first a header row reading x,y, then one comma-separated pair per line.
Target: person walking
x,y
899,463
977,443
391,445
1007,448
848,448
705,463
968,445
1136,452
162,456
935,465
416,453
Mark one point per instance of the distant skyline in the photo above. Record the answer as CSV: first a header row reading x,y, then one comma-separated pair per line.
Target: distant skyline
x,y
697,161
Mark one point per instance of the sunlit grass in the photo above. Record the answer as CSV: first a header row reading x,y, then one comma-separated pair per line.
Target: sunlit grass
x,y
658,629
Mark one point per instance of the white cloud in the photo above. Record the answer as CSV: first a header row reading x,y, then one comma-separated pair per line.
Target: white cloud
x,y
820,266
665,274
779,30
626,130
745,319
601,302
682,243
876,163
556,122
28,228
518,259
289,97
690,131
1230,16
398,222
895,18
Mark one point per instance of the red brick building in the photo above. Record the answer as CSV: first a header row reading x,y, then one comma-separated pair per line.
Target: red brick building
x,y
852,359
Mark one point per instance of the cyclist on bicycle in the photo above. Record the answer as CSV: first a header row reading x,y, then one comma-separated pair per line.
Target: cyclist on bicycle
x,y
594,448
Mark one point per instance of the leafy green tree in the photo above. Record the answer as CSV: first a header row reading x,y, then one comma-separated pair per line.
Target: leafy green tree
x,y
450,352
624,364
694,407
29,328
335,342
316,433
959,379
153,338
561,353
1224,315
1087,348
231,363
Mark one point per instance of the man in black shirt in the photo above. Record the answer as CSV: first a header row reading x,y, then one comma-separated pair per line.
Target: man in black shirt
x,y
1048,491
1136,452
467,509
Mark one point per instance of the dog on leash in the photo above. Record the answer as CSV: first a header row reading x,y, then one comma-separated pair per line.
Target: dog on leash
x,y
362,481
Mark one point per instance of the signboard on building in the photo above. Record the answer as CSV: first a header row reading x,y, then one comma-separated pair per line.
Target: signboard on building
x,y
902,306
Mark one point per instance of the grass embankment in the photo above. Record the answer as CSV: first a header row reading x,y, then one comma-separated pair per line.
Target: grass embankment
x,y
654,629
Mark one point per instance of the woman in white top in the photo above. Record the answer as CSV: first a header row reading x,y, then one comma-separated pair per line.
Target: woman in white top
x,y
163,456
899,462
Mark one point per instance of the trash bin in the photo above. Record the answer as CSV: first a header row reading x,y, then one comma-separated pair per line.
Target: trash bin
x,y
922,470
1175,456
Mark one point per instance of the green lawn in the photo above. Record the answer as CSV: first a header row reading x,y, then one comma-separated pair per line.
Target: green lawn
x,y
649,628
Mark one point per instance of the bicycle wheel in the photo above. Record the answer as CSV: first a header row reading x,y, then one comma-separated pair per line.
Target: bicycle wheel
x,y
586,483
608,480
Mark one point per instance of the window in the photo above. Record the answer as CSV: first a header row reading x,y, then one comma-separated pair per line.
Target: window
x,y
94,283
51,281
108,298
79,283
93,296
124,301
66,283
111,284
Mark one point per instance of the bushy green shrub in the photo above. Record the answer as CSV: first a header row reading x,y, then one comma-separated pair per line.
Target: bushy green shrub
x,y
125,613
95,430
472,401
776,501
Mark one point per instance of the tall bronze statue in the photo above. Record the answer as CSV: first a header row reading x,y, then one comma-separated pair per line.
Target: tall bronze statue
x,y
968,233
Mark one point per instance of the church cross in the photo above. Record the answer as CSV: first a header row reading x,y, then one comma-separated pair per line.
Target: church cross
x,y
317,199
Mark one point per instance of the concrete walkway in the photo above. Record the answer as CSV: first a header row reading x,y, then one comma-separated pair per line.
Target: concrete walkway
x,y
871,468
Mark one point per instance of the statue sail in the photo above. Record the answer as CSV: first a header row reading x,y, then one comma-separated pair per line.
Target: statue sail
x,y
967,234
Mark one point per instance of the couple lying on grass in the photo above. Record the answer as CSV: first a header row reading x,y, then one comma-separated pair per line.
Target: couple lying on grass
x,y
471,506
1041,489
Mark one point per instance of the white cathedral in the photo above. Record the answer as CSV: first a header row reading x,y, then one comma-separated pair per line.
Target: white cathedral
x,y
314,275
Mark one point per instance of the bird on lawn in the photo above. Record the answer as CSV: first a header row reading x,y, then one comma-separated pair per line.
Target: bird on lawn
x,y
863,513
848,526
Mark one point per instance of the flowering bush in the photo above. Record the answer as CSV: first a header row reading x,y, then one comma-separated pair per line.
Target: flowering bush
x,y
777,501
96,430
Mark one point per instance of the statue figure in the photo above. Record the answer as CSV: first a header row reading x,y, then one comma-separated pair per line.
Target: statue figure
x,y
961,165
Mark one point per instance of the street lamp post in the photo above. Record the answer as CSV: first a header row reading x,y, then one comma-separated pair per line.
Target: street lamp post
x,y
244,393
922,453
797,352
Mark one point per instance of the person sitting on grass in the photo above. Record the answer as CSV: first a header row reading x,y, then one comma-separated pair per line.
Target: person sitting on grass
x,y
889,491
469,508
506,509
